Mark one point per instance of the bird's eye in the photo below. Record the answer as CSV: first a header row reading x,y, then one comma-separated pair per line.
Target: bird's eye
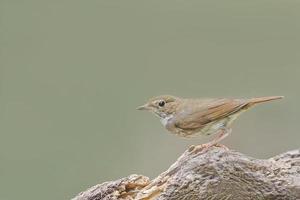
x,y
161,103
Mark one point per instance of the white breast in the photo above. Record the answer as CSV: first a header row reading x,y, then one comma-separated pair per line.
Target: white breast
x,y
165,120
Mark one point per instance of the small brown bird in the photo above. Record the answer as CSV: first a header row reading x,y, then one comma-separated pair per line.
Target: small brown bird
x,y
193,117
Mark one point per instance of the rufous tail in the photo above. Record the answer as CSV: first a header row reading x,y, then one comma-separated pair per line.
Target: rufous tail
x,y
257,100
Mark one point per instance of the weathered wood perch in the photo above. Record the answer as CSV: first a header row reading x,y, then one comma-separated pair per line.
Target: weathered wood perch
x,y
214,174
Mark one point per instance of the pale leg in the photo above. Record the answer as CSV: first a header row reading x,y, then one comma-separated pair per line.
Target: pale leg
x,y
222,133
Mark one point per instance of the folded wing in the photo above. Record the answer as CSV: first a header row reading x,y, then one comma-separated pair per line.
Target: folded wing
x,y
208,111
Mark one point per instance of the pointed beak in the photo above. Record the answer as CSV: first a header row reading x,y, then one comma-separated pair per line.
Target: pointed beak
x,y
143,107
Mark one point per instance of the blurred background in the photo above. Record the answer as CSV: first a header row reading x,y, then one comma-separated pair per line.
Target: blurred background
x,y
72,73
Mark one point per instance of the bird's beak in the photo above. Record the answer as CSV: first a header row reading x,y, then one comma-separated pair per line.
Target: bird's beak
x,y
144,107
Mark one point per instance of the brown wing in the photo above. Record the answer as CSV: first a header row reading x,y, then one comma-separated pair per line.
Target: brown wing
x,y
200,113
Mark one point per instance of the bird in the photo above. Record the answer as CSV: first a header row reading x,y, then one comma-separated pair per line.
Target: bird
x,y
191,117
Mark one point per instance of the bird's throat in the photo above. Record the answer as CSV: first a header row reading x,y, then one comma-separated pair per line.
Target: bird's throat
x,y
165,120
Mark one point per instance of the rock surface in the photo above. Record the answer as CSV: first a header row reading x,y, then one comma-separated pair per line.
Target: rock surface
x,y
216,173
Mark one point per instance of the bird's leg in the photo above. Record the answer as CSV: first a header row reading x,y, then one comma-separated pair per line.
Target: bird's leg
x,y
222,133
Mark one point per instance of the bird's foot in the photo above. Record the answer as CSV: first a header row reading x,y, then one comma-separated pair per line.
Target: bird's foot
x,y
204,147
191,148
199,148
221,146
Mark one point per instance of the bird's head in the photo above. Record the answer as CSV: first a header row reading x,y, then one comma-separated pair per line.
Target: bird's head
x,y
163,106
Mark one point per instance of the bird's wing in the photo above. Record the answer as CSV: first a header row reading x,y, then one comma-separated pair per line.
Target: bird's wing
x,y
202,113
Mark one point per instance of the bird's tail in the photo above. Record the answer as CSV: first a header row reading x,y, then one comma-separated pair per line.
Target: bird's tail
x,y
257,100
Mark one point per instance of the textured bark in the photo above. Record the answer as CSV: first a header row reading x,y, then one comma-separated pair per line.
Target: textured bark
x,y
216,174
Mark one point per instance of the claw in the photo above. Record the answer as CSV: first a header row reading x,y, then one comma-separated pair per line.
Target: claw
x,y
191,148
222,146
201,147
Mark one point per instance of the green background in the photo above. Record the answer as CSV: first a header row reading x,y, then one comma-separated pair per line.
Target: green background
x,y
73,72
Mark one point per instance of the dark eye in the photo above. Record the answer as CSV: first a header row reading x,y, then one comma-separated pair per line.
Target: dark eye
x,y
161,103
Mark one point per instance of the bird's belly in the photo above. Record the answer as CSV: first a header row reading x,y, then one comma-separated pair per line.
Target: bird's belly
x,y
213,127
